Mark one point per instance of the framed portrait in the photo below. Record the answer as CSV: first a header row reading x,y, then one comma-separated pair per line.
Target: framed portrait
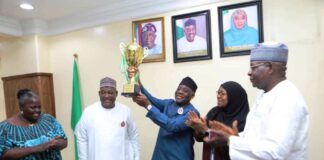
x,y
150,33
240,28
191,37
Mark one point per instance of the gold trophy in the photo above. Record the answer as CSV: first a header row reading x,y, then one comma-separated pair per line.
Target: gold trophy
x,y
132,56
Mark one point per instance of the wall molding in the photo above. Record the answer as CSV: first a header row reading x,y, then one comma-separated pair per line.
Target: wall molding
x,y
123,10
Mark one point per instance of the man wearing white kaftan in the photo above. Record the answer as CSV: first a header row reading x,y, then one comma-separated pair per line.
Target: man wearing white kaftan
x,y
277,124
106,130
276,127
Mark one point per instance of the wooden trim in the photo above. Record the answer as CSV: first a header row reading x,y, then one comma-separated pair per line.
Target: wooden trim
x,y
26,75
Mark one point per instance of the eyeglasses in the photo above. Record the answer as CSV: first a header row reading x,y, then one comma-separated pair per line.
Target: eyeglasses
x,y
221,93
252,68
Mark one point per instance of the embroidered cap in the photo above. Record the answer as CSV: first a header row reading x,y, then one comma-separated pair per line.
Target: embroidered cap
x,y
270,51
149,27
107,82
189,83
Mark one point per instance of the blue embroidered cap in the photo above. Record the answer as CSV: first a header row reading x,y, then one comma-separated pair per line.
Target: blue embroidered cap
x,y
270,51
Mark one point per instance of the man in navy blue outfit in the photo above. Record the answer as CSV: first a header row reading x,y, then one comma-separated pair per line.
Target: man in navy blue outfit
x,y
175,140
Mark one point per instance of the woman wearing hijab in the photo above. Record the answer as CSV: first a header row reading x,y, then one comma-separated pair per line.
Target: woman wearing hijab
x,y
240,34
232,105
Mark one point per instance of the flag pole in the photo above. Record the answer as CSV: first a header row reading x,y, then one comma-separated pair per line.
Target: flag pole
x,y
76,102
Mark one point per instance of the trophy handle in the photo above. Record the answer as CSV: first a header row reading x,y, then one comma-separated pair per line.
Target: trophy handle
x,y
122,47
123,63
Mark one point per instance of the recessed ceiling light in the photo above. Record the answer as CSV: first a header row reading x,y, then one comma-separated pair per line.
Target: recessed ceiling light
x,y
26,6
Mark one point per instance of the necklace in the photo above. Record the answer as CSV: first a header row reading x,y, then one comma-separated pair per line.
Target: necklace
x,y
25,120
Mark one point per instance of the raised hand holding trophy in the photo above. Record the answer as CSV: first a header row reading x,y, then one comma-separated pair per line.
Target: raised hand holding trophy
x,y
132,56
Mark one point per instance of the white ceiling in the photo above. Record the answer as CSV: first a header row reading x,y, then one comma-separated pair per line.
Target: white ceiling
x,y
52,17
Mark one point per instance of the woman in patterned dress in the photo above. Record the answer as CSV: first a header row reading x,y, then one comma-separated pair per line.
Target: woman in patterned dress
x,y
31,135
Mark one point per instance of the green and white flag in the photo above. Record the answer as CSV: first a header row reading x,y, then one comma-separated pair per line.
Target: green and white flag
x,y
179,29
76,105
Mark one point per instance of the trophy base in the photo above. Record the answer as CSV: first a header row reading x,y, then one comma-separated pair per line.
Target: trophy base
x,y
130,90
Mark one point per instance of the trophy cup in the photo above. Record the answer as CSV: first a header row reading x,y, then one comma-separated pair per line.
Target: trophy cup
x,y
132,56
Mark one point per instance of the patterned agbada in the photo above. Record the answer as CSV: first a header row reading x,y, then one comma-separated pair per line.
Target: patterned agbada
x,y
47,128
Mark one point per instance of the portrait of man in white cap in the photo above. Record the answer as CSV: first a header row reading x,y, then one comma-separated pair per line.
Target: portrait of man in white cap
x,y
106,129
149,39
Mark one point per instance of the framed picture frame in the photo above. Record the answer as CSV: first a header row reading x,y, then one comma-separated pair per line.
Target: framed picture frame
x,y
150,33
191,37
240,28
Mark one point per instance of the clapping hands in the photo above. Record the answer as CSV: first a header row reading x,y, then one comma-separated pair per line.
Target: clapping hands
x,y
219,134
220,126
196,122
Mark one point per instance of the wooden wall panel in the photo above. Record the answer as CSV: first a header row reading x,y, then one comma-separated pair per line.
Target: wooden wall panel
x,y
40,83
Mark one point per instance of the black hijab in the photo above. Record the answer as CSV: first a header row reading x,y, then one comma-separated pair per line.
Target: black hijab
x,y
237,107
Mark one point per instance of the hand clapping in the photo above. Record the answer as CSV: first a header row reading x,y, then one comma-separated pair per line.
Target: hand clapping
x,y
197,123
220,126
219,134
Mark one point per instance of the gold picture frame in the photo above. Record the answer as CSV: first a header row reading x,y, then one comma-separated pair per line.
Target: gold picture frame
x,y
150,33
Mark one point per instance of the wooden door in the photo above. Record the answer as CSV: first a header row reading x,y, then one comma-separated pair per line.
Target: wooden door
x,y
40,83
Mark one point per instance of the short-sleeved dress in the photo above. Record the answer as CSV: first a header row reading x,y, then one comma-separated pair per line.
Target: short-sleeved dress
x,y
47,128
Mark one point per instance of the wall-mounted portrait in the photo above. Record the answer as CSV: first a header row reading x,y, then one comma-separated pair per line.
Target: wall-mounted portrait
x,y
240,28
150,33
191,36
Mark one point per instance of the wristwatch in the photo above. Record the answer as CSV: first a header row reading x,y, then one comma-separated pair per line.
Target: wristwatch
x,y
148,107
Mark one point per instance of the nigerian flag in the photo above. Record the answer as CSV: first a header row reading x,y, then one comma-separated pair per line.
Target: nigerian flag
x,y
179,29
76,105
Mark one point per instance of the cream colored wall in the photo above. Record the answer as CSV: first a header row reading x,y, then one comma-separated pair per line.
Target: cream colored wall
x,y
17,56
22,55
42,54
298,23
